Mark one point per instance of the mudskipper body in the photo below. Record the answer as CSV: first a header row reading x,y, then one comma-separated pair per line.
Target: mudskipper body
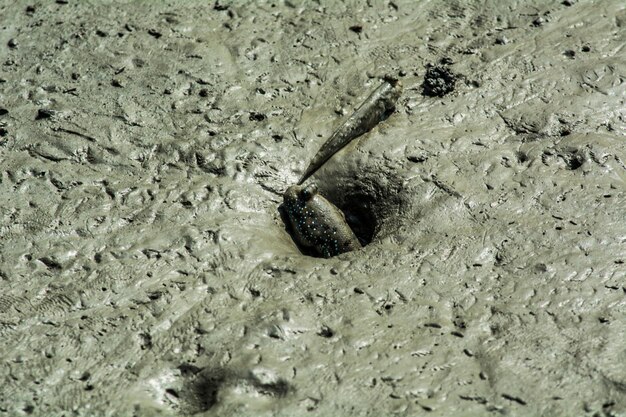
x,y
316,223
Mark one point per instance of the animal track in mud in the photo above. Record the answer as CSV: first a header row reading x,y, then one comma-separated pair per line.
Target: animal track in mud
x,y
202,388
572,158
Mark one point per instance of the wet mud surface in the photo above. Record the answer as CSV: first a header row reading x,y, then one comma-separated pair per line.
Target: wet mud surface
x,y
144,266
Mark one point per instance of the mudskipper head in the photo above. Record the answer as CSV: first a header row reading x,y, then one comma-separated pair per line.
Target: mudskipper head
x,y
299,194
392,95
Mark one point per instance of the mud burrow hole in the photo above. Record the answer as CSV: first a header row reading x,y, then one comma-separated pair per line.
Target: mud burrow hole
x,y
372,205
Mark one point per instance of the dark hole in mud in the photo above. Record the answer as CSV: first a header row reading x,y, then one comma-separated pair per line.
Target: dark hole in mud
x,y
172,392
572,158
360,217
326,331
201,392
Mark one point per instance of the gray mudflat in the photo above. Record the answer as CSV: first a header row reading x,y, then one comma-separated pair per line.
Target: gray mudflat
x,y
145,269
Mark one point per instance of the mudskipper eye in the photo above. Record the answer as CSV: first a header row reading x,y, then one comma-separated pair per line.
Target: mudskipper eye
x,y
309,191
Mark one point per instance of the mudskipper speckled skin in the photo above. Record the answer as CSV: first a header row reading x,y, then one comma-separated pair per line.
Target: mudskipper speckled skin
x,y
316,223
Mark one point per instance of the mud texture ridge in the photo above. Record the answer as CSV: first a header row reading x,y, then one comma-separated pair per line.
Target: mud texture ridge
x,y
145,269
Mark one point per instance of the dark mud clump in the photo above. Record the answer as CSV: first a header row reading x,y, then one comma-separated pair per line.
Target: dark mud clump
x,y
439,80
